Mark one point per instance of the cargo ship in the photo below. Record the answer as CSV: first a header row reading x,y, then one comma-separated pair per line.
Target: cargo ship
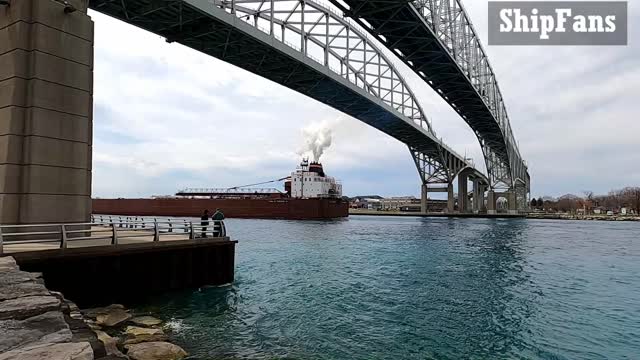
x,y
308,194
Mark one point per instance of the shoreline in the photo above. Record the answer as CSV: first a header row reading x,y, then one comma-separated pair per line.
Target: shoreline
x,y
499,216
40,323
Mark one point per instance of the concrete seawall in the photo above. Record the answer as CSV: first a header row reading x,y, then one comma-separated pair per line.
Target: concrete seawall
x,y
102,275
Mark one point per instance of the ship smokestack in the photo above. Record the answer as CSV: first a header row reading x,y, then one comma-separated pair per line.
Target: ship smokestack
x,y
316,167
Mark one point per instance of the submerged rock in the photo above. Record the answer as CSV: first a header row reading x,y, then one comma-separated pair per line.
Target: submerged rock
x,y
158,350
146,321
49,327
65,351
113,317
27,306
94,312
137,334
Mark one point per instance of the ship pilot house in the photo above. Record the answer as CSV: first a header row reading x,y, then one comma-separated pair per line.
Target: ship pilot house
x,y
310,181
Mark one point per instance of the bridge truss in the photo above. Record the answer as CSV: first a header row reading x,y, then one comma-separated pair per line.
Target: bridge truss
x,y
436,39
309,48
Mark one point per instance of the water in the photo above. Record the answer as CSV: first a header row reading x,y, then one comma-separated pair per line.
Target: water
x,y
410,288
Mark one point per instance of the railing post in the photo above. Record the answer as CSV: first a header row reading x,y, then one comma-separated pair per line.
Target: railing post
x,y
192,234
119,221
170,225
156,231
63,237
1,242
186,228
114,235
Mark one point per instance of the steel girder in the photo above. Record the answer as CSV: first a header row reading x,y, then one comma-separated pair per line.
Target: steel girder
x,y
436,39
308,48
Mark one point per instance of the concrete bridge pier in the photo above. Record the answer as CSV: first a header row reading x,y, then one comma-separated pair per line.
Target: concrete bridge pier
x,y
483,205
451,201
46,106
478,196
510,196
491,202
424,199
462,192
425,195
512,201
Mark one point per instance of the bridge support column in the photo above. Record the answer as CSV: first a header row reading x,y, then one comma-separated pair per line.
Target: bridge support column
x,y
451,201
424,199
491,202
463,199
477,196
483,205
512,200
46,104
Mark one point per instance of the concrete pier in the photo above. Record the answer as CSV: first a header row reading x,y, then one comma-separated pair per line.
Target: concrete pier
x,y
46,89
101,275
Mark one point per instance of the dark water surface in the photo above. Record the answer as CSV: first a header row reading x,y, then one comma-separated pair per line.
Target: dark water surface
x,y
411,288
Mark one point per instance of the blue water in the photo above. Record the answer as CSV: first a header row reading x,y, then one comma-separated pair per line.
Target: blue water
x,y
411,288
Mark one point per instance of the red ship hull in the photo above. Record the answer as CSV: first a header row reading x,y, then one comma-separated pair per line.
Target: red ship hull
x,y
285,208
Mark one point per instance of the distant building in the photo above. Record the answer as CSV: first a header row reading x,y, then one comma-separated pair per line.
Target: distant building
x,y
395,203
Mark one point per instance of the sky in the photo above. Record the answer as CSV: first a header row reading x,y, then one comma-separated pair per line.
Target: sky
x,y
167,117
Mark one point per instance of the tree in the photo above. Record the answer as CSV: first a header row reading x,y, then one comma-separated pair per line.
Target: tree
x,y
630,197
588,201
534,203
540,202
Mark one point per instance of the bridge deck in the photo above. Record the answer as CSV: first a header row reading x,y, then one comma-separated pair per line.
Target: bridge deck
x,y
211,30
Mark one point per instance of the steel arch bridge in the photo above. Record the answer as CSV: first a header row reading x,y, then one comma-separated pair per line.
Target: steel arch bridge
x,y
306,47
436,39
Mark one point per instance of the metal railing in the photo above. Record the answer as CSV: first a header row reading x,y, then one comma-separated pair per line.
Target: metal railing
x,y
108,227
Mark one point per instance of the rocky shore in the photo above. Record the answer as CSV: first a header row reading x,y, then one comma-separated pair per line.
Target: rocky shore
x,y
36,323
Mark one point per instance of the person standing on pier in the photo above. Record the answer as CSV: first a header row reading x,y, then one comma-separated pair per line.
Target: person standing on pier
x,y
204,223
217,218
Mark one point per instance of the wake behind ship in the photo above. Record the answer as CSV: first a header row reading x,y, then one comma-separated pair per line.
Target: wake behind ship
x,y
308,194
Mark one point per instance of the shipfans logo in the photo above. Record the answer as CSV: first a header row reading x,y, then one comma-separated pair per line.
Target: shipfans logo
x,y
557,23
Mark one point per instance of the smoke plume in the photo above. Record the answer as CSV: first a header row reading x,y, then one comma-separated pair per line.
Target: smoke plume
x,y
317,139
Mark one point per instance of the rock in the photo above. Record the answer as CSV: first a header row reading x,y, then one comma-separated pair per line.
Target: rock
x,y
137,334
155,351
27,306
93,325
113,317
22,289
66,351
13,277
110,344
94,312
8,263
146,321
49,327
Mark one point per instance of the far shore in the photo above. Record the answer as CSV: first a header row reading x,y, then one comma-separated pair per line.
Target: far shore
x,y
546,216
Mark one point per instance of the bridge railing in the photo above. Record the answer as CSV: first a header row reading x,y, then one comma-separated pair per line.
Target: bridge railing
x,y
109,228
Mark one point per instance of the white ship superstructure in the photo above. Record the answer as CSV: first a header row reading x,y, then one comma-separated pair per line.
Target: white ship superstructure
x,y
310,181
